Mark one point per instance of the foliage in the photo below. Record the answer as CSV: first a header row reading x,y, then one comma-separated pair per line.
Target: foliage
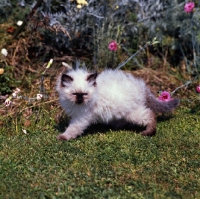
x,y
62,30
6,82
86,32
6,78
177,31
60,27
5,10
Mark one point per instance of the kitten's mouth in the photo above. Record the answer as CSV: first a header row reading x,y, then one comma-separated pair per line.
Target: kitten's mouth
x,y
79,97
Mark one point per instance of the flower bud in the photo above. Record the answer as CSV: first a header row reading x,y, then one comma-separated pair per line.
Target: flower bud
x,y
198,89
4,52
17,90
14,94
19,23
1,71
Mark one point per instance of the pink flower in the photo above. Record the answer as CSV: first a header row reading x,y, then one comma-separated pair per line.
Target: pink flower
x,y
7,102
39,96
198,89
112,45
17,90
14,94
165,96
189,7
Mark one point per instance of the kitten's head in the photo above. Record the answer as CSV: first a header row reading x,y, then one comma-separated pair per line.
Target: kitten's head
x,y
77,86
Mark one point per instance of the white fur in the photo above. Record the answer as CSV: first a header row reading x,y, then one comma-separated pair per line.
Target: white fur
x,y
117,95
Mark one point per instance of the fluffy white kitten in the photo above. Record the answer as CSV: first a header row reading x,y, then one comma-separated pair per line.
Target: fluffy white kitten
x,y
110,96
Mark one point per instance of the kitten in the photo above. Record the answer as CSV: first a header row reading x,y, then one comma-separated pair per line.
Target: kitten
x,y
110,96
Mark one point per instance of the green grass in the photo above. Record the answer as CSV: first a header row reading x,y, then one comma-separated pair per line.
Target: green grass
x,y
105,164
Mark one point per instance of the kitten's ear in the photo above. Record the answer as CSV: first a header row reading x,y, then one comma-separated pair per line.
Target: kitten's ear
x,y
92,77
65,79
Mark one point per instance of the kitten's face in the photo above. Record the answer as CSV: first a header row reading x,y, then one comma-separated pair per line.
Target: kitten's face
x,y
77,86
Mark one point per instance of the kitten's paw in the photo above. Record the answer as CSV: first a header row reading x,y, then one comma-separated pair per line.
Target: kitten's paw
x,y
148,133
65,137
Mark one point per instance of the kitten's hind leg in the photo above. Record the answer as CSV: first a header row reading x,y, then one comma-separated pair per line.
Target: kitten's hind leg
x,y
144,117
150,126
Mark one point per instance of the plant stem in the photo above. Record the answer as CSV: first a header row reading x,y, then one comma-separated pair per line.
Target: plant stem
x,y
127,60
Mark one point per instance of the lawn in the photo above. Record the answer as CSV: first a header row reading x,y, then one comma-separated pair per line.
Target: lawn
x,y
104,163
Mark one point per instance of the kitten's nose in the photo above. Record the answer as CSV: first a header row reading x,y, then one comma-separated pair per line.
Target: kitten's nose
x,y
79,98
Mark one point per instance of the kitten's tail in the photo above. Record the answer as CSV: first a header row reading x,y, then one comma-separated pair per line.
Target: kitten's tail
x,y
160,106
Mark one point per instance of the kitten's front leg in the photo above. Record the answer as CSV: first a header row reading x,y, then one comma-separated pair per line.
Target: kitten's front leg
x,y
74,129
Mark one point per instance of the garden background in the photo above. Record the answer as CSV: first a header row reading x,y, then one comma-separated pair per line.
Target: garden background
x,y
157,40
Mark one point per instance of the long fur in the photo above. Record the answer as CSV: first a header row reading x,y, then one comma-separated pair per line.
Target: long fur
x,y
158,106
112,95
